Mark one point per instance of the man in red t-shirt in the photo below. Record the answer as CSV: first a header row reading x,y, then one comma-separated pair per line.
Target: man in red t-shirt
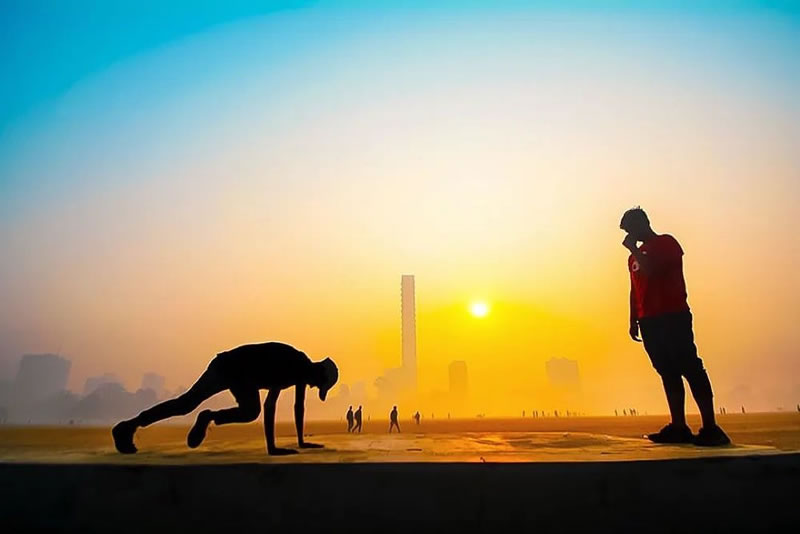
x,y
659,311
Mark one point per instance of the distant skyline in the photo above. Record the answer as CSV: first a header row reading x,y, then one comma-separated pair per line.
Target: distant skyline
x,y
178,179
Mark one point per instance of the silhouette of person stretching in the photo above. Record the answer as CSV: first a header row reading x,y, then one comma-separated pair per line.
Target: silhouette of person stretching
x,y
358,421
659,310
244,371
350,419
416,418
393,420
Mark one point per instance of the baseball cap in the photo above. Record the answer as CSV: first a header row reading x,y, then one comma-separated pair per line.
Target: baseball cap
x,y
330,375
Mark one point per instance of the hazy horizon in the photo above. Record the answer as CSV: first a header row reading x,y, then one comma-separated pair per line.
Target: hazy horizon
x,y
174,185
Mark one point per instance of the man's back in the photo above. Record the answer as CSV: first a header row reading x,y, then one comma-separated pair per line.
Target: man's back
x,y
264,365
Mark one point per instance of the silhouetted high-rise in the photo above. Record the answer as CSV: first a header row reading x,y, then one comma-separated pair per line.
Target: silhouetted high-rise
x,y
458,380
409,330
41,375
562,372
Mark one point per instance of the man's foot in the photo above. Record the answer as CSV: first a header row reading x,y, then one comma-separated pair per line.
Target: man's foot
x,y
123,437
712,436
281,452
672,433
198,432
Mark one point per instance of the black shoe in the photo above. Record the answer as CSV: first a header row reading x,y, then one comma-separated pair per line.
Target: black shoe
x,y
712,436
198,432
123,437
672,433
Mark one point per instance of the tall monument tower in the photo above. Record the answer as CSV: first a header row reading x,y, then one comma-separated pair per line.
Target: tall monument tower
x,y
409,334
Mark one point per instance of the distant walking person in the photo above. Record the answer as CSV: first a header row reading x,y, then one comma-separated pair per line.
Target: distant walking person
x,y
416,418
393,420
350,419
357,428
243,371
659,310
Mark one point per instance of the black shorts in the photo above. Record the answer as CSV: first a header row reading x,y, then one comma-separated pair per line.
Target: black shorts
x,y
669,342
221,375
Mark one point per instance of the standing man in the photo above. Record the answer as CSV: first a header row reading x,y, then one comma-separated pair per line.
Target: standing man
x,y
350,419
659,310
243,371
358,420
393,420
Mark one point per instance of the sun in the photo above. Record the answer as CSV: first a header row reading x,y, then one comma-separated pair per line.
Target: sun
x,y
479,308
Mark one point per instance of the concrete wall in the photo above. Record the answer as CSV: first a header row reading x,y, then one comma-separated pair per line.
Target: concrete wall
x,y
732,494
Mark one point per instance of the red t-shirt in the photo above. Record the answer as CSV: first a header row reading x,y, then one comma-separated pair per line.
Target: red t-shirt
x,y
663,289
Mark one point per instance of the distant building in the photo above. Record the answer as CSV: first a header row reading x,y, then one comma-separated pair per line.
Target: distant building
x,y
155,382
401,382
563,373
459,387
41,376
359,391
565,383
409,329
93,383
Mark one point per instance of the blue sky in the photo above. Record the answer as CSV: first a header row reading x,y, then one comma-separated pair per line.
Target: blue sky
x,y
49,45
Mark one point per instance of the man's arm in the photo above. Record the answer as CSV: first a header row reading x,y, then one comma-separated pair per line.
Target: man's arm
x,y
634,322
299,414
269,424
644,262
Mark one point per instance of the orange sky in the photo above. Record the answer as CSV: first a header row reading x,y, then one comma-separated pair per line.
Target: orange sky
x,y
284,200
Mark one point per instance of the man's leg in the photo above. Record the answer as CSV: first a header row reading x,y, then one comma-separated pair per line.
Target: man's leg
x,y
702,392
248,410
692,368
656,335
206,386
676,397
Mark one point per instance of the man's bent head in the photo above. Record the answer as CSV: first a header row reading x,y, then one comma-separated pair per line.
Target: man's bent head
x,y
635,222
327,374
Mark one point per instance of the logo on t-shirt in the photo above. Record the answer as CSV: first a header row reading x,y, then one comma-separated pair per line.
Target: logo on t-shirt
x,y
634,266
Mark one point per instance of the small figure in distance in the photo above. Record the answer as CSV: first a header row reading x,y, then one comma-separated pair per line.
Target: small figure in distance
x,y
660,312
393,420
243,371
743,409
416,418
357,428
350,419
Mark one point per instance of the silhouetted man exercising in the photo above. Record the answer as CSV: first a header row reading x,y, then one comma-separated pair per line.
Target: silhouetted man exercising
x,y
244,371
659,309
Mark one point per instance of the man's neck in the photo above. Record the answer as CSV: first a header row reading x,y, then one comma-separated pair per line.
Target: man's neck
x,y
650,234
